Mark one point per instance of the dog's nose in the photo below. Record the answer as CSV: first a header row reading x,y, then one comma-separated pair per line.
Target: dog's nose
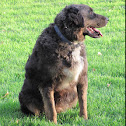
x,y
107,19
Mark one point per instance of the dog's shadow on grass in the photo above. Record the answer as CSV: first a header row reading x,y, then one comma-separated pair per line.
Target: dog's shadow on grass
x,y
10,113
13,110
10,109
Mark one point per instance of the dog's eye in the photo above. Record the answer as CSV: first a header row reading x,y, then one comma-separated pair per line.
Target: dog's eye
x,y
91,12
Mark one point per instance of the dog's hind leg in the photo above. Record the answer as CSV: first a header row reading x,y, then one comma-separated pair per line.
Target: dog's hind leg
x,y
32,108
31,102
49,104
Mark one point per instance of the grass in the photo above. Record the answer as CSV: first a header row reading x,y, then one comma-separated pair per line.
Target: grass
x,y
22,22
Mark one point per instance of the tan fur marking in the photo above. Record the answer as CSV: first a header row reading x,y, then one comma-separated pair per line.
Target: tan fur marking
x,y
49,104
33,109
82,96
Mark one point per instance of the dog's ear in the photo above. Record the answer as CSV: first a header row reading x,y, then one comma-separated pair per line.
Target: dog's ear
x,y
73,16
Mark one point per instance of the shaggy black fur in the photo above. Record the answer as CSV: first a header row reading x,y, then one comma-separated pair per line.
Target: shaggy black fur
x,y
53,61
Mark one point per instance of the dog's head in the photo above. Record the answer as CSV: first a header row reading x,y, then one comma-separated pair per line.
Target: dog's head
x,y
76,21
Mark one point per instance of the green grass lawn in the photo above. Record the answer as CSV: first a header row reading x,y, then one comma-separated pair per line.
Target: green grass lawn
x,y
21,22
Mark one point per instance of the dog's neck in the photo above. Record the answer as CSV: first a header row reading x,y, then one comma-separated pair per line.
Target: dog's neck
x,y
63,38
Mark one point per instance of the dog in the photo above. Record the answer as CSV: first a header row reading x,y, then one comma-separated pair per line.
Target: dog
x,y
56,71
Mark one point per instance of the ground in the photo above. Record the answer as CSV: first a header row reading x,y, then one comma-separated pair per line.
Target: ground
x,y
21,24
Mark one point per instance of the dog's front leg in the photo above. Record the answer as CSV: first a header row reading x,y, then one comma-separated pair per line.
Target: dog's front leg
x,y
49,104
82,96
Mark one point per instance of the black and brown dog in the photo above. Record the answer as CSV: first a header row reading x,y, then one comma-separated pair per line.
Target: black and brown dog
x,y
56,71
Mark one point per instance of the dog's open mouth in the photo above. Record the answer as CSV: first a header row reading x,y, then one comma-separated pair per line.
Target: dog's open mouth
x,y
93,32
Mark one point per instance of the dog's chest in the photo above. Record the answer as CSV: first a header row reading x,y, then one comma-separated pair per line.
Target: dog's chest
x,y
72,74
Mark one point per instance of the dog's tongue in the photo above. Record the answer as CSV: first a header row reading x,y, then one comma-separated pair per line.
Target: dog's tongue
x,y
93,32
96,30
